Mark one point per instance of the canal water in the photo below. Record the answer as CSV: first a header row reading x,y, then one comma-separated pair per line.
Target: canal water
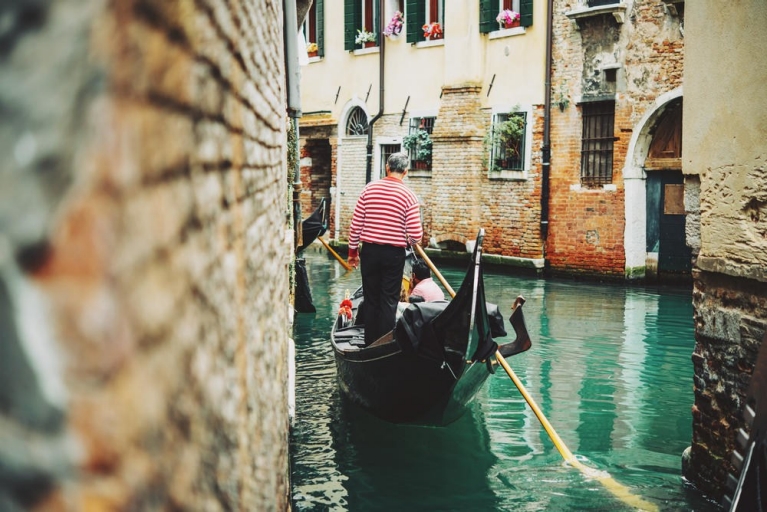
x,y
609,367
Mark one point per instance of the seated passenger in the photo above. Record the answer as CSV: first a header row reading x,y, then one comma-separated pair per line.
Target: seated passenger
x,y
426,290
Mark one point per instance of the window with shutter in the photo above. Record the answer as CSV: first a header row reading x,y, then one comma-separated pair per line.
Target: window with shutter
x,y
314,29
489,10
352,22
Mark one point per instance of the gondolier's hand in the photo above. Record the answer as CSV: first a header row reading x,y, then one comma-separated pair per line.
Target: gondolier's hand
x,y
353,259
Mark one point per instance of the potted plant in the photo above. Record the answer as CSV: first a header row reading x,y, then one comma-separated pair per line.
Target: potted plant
x,y
510,134
311,49
432,31
419,145
395,25
508,18
365,39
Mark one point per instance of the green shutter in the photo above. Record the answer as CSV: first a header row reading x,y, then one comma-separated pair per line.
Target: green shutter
x,y
320,10
415,17
352,22
526,12
488,10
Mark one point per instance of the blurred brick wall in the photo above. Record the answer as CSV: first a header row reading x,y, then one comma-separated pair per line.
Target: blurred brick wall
x,y
143,256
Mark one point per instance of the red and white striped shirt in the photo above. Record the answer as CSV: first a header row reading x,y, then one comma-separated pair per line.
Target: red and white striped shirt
x,y
386,213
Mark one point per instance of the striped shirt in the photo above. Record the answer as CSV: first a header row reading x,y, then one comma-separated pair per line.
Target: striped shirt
x,y
386,213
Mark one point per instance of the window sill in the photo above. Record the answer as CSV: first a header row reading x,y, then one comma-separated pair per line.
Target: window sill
x,y
507,32
430,44
618,10
419,173
508,175
608,187
366,51
314,59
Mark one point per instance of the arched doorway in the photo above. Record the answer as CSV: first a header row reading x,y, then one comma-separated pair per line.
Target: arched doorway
x,y
667,250
655,241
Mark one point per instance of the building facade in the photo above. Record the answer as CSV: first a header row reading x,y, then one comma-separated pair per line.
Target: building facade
x,y
614,121
445,92
616,178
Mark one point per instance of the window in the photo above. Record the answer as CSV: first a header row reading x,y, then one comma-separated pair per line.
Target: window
x,y
597,3
489,9
422,12
508,138
387,150
418,142
357,122
597,143
360,16
314,26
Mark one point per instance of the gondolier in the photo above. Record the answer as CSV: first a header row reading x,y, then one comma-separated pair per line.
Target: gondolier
x,y
386,219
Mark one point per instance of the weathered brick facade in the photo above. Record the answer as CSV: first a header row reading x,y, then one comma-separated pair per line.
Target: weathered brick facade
x,y
143,256
588,227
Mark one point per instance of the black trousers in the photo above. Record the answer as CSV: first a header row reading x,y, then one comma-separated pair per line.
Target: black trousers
x,y
381,267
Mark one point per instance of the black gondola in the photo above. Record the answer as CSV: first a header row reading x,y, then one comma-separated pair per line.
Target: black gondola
x,y
314,226
435,360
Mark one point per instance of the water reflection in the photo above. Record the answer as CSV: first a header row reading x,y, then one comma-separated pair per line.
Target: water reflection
x,y
610,367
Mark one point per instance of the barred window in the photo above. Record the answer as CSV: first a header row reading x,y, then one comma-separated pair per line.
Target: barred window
x,y
597,3
387,150
507,148
597,143
418,142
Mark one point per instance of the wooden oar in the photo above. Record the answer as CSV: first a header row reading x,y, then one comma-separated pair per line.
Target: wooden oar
x,y
335,254
618,490
425,258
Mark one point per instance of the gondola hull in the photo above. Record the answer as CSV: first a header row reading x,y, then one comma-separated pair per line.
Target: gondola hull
x,y
426,374
402,387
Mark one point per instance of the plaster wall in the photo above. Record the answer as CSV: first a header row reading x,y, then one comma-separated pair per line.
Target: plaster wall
x,y
724,151
724,136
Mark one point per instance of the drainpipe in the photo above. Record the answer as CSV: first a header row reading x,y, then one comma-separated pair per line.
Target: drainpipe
x,y
293,79
381,48
546,149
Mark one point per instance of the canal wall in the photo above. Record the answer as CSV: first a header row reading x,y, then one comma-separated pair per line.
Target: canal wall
x,y
143,256
724,155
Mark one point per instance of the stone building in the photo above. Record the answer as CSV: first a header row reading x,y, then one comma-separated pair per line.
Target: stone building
x,y
144,256
724,163
616,174
455,87
612,111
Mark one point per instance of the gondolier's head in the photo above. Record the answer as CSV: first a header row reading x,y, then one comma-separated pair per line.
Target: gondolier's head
x,y
398,162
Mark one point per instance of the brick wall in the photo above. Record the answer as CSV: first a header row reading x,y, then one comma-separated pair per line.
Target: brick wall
x,y
587,225
458,197
143,257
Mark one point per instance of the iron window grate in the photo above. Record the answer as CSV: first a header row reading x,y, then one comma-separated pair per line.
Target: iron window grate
x,y
597,143
387,150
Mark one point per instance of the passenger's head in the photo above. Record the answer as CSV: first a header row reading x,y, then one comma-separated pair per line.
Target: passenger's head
x,y
421,271
398,162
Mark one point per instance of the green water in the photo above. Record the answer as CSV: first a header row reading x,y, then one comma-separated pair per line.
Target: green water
x,y
610,368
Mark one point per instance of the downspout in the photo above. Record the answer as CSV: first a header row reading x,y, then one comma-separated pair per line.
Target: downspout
x,y
293,79
381,48
546,149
